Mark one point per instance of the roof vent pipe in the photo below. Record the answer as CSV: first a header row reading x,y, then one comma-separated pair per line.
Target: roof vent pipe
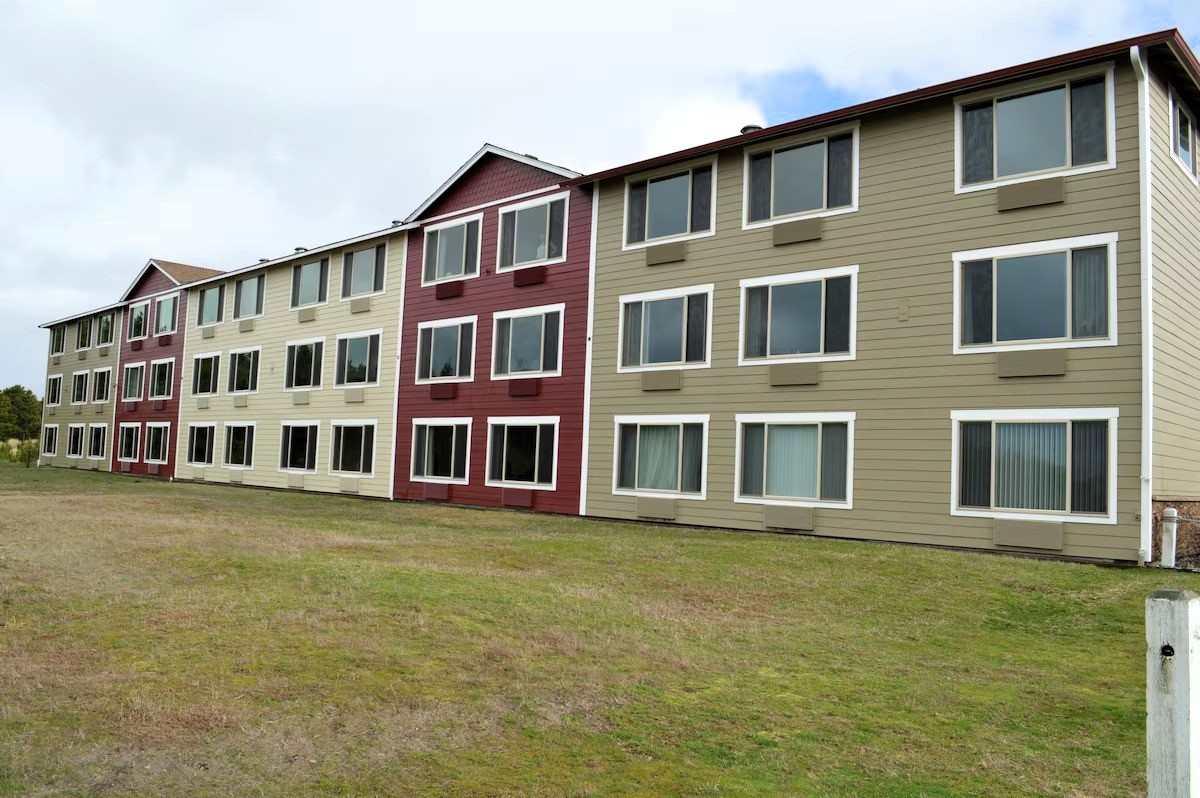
x,y
301,249
263,260
396,222
750,129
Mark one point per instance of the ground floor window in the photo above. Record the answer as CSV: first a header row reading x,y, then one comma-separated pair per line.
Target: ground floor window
x,y
522,452
97,441
441,450
127,443
239,445
661,455
353,448
50,440
795,458
298,446
158,437
200,444
75,440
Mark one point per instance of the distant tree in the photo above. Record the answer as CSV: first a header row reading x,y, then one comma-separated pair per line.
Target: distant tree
x,y
20,413
8,420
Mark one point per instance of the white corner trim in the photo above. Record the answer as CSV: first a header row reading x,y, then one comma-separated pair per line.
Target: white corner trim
x,y
587,361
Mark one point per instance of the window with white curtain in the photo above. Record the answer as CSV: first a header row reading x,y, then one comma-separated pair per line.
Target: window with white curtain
x,y
802,459
661,455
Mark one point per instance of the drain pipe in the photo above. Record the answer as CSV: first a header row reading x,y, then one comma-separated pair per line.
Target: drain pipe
x,y
1145,506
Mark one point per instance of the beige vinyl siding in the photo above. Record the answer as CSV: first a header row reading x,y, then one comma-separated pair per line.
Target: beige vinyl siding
x,y
69,363
1176,225
905,381
272,405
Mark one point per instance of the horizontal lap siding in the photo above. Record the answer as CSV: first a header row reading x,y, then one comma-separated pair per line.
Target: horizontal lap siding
x,y
272,405
905,381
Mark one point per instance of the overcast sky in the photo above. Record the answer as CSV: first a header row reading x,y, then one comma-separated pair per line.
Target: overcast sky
x,y
216,133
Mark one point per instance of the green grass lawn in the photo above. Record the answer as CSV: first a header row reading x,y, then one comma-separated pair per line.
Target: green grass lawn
x,y
199,640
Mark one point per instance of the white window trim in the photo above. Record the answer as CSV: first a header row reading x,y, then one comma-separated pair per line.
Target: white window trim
x,y
137,440
436,324
49,379
87,386
260,314
1109,414
157,304
188,444
519,206
166,443
1061,78
112,330
199,294
258,377
669,293
328,271
129,321
456,222
521,421
87,444
847,418
444,421
82,441
316,454
353,297
192,373
852,128
170,383
320,339
54,451
661,420
354,422
225,438
92,387
667,171
91,332
141,380
379,366
1174,105
816,275
517,313
1036,248
63,350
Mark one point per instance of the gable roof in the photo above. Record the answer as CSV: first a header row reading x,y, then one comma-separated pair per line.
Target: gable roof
x,y
73,316
1171,41
488,149
177,273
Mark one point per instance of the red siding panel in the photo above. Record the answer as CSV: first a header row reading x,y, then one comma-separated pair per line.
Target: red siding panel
x,y
152,282
491,179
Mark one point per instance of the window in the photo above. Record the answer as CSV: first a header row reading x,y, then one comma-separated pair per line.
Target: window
x,y
674,206
358,359
806,316
298,446
75,440
523,452
1049,294
239,445
137,321
54,390
1183,136
83,334
206,374
441,450
104,330
161,373
526,342
665,329
165,311
362,272
79,386
660,455
814,178
1057,465
248,296
452,250
532,233
158,436
102,385
50,441
304,359
353,448
58,339
210,305
97,439
200,444
802,459
127,443
445,350
243,371
309,281
131,382
1065,127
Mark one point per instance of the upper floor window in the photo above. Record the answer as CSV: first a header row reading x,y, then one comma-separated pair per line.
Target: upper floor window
x,y
445,350
243,371
304,359
452,250
58,339
1183,136
795,458
83,334
210,305
1045,295
248,296
807,179
205,374
79,388
665,329
357,359
533,233
309,281
132,381
806,316
661,455
165,309
161,373
525,342
1063,127
138,321
362,272
102,385
54,390
104,329
673,206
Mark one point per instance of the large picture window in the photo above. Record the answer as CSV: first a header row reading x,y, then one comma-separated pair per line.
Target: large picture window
x,y
523,452
802,459
525,342
661,455
353,450
298,446
532,233
243,371
673,206
806,316
812,178
239,445
441,450
304,362
445,350
362,271
452,250
357,359
666,329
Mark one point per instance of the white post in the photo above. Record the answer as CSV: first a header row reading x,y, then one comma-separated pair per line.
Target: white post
x,y
1172,693
1170,530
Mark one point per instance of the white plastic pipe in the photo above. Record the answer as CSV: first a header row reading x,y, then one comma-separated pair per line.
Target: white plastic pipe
x,y
1170,528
